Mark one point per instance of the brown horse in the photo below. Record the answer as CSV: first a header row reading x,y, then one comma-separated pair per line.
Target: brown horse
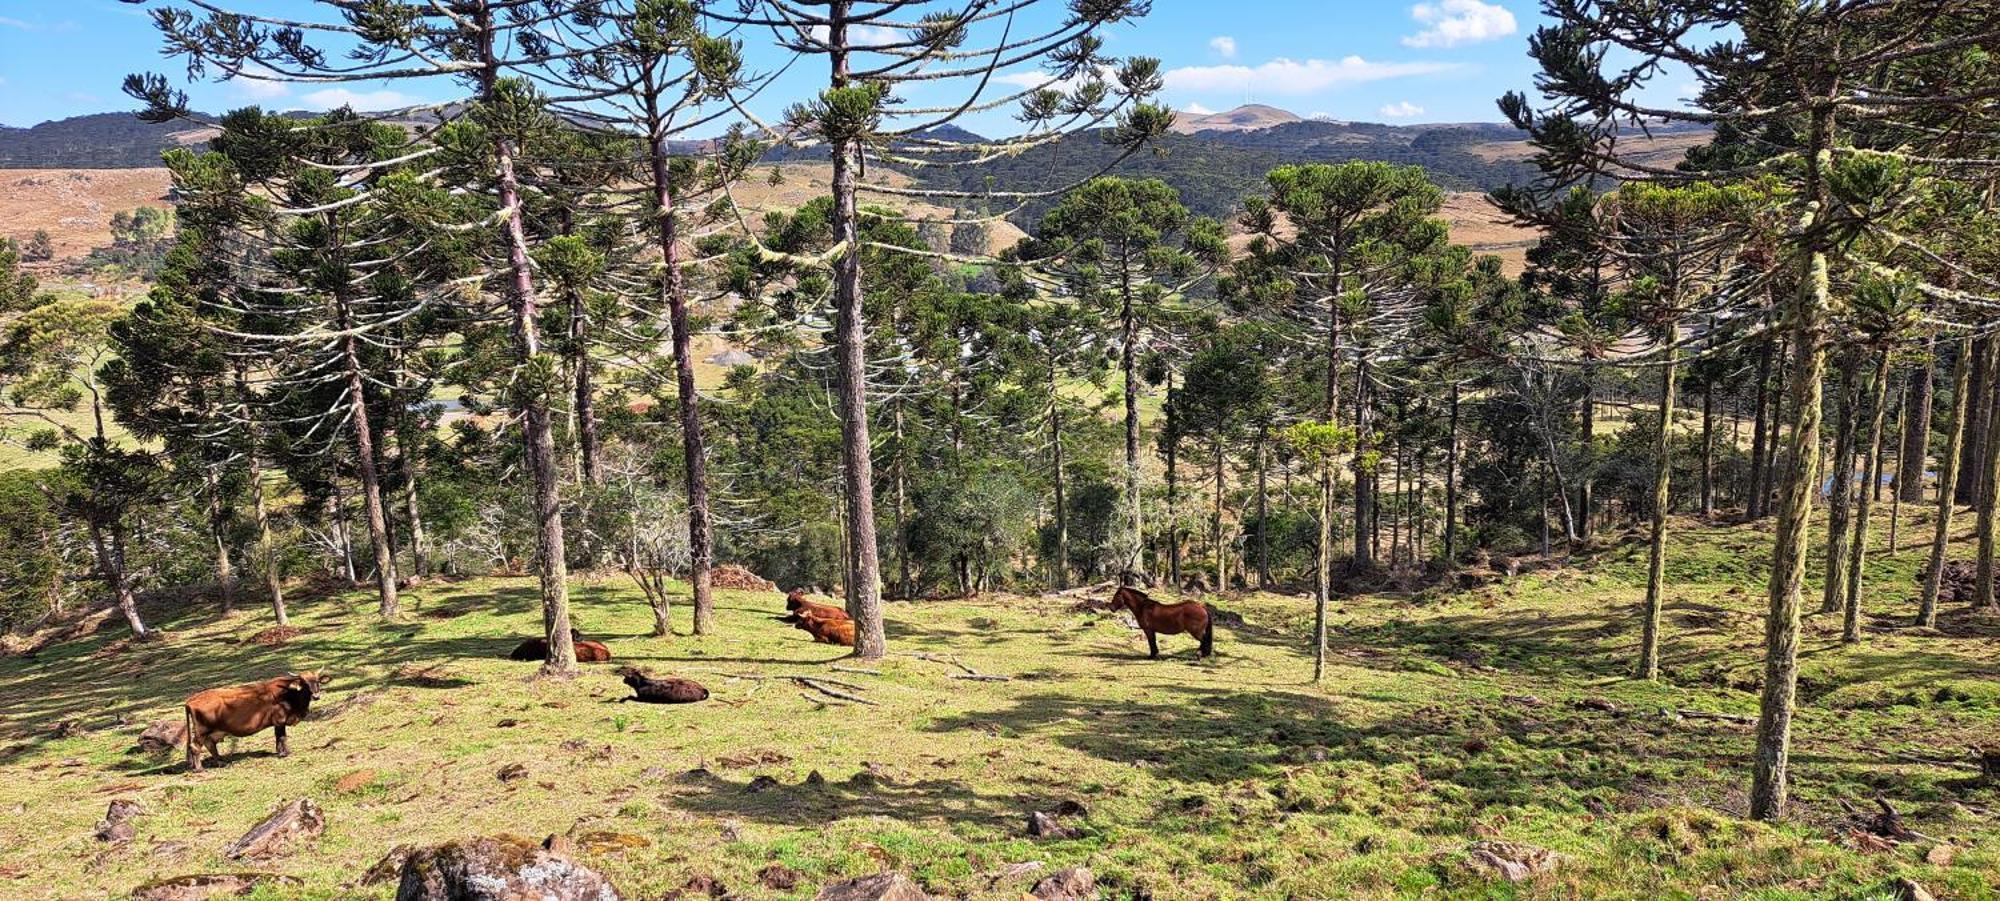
x,y
1155,618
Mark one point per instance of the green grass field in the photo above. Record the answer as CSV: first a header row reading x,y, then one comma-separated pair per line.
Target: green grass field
x,y
1503,712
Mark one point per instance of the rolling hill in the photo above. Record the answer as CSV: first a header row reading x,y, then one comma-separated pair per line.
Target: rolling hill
x,y
1215,160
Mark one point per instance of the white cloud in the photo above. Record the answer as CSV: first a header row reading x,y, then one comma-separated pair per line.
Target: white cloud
x,y
1402,109
863,37
1293,77
1449,23
1196,109
259,89
361,101
1223,45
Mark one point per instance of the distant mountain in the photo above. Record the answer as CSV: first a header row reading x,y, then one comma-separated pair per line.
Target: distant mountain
x,y
97,141
1215,160
1248,117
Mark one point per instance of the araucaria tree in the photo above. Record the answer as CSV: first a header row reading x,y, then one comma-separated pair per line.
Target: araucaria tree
x,y
481,44
872,50
1127,249
1855,107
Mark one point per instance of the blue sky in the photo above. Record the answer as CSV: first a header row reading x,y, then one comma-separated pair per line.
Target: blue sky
x,y
1368,60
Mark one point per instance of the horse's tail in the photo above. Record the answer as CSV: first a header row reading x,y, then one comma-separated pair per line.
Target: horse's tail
x,y
1208,635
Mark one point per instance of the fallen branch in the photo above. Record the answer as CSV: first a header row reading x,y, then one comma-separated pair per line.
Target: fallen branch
x,y
1712,715
816,683
855,669
969,674
816,701
832,693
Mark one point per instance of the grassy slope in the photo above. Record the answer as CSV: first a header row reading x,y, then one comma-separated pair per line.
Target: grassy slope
x,y
1443,719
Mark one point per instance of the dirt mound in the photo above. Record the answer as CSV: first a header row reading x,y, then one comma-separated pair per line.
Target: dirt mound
x,y
738,578
274,636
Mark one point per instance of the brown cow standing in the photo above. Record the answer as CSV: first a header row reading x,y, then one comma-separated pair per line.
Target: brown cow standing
x,y
247,709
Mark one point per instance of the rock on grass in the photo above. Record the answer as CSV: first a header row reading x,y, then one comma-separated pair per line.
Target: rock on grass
x,y
1070,884
497,868
298,821
1511,861
203,886
879,887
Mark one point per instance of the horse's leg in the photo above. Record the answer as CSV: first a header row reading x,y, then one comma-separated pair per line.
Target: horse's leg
x,y
1152,645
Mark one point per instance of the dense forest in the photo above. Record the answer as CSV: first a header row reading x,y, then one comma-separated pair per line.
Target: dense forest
x,y
545,333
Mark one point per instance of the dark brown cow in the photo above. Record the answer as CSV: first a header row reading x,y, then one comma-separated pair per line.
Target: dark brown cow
x,y
668,690
247,709
538,648
796,606
829,631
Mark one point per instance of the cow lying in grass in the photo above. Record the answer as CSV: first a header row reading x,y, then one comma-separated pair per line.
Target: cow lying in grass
x,y
586,651
796,606
247,709
669,690
825,629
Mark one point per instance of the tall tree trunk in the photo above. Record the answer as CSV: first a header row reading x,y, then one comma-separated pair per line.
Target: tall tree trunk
x,y
1707,448
267,551
551,550
420,555
1771,444
1263,512
1364,476
1133,564
1758,494
1768,786
341,535
1989,482
1215,527
1173,442
694,446
1970,472
1663,471
1961,380
110,550
583,405
371,484
1451,484
1062,510
1916,429
218,533
1323,567
851,347
1840,497
905,586
1872,465
1586,502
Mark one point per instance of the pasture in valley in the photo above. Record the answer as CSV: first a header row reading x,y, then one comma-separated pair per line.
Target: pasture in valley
x,y
1586,478
1501,714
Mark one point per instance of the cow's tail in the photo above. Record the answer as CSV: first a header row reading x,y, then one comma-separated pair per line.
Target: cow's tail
x,y
1208,636
187,737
